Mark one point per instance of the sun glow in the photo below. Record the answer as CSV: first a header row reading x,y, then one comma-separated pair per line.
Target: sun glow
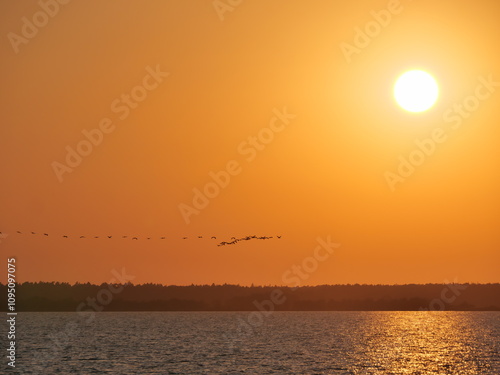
x,y
416,91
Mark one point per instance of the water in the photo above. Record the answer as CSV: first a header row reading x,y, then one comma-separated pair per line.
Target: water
x,y
244,343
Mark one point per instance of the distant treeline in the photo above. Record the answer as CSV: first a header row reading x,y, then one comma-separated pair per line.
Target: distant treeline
x,y
55,296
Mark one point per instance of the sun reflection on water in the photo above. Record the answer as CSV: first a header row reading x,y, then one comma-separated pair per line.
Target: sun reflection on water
x,y
423,343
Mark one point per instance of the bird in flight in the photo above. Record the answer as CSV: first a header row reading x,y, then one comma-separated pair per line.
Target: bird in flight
x,y
235,240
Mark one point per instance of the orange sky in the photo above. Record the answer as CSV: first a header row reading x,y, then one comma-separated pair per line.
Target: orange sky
x,y
229,73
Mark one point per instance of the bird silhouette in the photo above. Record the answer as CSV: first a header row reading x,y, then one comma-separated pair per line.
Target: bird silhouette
x,y
233,241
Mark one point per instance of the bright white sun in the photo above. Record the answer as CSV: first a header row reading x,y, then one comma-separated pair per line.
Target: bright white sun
x,y
416,91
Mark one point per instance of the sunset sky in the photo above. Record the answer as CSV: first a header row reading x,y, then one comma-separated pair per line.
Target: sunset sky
x,y
207,77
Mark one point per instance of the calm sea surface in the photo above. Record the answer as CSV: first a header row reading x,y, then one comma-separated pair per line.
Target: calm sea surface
x,y
244,343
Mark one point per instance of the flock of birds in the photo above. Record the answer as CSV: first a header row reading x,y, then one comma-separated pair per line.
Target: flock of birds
x,y
233,241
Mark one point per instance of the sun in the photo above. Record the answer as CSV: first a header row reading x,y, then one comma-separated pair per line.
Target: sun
x,y
416,91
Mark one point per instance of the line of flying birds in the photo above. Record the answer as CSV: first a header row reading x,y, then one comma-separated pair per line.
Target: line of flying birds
x,y
233,241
